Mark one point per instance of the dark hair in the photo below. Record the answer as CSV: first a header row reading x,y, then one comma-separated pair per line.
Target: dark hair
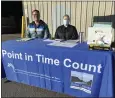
x,y
66,15
36,11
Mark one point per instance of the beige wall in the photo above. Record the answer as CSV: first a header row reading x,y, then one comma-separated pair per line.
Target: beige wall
x,y
81,12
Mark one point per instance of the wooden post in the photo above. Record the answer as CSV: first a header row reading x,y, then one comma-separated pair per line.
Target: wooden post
x,y
23,27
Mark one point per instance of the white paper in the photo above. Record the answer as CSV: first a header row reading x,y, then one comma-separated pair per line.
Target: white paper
x,y
50,40
72,41
24,39
58,39
63,44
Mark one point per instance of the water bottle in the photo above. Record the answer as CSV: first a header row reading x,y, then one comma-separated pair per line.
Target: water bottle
x,y
81,37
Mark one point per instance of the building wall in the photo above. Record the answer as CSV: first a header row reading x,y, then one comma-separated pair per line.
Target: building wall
x,y
82,13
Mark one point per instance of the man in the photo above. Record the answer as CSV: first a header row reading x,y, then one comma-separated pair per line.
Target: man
x,y
38,28
66,31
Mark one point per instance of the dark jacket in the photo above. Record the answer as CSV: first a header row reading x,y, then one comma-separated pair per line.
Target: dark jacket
x,y
66,33
40,31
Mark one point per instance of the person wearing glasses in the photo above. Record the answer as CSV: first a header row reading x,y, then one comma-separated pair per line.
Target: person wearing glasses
x,y
38,28
66,31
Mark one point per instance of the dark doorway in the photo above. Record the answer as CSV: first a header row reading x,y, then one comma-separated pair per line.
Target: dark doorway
x,y
11,12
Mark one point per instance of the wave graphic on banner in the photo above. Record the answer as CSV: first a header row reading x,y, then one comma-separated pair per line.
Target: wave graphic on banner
x,y
32,74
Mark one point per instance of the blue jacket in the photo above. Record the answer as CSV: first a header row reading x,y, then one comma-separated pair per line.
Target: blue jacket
x,y
40,31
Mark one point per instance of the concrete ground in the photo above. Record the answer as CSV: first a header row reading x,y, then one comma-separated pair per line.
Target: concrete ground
x,y
13,89
9,36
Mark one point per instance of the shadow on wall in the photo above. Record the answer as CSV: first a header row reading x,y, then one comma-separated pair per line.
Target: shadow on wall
x,y
110,18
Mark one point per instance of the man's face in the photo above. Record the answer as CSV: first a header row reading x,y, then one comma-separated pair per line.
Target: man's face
x,y
66,18
36,16
65,21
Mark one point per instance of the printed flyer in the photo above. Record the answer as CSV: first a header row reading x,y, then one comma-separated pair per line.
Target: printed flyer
x,y
100,36
82,81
